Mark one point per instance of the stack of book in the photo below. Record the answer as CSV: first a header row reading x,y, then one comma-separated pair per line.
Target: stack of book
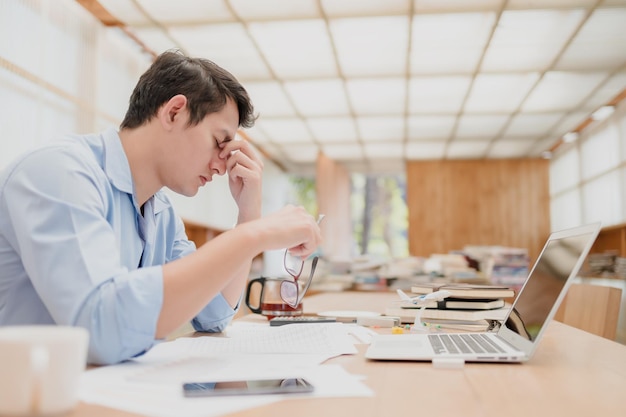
x,y
620,267
601,264
469,306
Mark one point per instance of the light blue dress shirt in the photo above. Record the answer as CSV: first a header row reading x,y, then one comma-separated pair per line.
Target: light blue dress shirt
x,y
75,249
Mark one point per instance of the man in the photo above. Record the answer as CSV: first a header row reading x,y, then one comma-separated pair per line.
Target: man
x,y
88,239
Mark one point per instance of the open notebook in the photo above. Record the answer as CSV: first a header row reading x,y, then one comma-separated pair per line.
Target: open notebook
x,y
516,340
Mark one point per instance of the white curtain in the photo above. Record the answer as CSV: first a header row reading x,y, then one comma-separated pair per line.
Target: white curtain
x,y
588,178
61,71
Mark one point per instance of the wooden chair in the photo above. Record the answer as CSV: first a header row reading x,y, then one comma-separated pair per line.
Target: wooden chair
x,y
592,308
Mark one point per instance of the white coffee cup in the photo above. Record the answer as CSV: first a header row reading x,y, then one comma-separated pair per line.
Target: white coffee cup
x,y
40,367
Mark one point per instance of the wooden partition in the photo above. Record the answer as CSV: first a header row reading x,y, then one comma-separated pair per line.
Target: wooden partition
x,y
199,233
611,238
481,202
592,308
333,190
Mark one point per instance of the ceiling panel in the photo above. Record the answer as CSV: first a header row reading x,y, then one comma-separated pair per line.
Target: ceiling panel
x,y
387,150
510,148
449,43
285,130
343,152
559,91
378,95
451,6
156,39
275,9
595,46
227,44
430,127
334,8
467,149
256,135
528,40
550,4
495,93
425,150
371,45
318,97
606,92
437,95
532,125
185,11
269,99
382,129
540,148
295,49
482,127
301,153
370,82
127,12
333,129
569,123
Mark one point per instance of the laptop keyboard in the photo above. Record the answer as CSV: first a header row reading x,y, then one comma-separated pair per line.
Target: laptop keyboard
x,y
463,343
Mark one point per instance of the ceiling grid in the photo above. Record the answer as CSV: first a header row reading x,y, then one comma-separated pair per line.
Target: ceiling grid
x,y
373,83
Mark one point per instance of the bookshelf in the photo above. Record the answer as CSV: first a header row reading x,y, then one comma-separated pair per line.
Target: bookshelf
x,y
611,241
611,238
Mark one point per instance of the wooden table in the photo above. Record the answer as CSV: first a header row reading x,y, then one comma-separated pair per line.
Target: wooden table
x,y
573,373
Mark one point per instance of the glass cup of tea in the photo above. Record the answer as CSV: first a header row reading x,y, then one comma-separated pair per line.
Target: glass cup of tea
x,y
263,297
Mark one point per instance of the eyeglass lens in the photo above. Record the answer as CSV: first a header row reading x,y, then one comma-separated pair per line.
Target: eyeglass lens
x,y
293,265
292,292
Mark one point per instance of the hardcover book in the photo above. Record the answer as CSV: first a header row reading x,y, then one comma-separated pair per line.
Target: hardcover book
x,y
478,291
407,315
460,304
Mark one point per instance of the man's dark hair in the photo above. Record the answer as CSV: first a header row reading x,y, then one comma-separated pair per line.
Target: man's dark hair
x,y
205,84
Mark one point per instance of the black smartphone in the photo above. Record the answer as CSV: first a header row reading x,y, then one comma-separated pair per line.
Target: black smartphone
x,y
249,387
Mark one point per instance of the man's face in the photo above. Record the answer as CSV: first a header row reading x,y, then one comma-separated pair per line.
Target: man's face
x,y
196,150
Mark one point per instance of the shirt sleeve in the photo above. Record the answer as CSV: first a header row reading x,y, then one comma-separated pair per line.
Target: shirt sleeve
x,y
218,313
215,316
59,210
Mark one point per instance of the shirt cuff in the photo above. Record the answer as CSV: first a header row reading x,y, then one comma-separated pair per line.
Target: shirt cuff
x,y
215,316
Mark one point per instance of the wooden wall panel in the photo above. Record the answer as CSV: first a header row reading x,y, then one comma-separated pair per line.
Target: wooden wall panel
x,y
483,202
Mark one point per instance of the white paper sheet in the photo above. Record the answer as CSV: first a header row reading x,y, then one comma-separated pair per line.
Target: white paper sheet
x,y
220,366
317,339
136,388
152,384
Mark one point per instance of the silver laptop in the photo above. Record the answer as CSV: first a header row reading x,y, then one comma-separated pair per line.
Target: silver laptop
x,y
518,336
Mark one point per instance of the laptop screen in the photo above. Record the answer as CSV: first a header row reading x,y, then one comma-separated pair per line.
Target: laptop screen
x,y
547,279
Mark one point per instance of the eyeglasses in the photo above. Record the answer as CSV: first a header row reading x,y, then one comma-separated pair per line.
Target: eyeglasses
x,y
292,292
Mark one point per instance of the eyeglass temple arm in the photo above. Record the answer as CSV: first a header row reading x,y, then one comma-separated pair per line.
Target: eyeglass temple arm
x,y
313,266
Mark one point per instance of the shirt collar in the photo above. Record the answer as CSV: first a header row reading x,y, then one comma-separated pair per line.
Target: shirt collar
x,y
160,202
117,169
116,164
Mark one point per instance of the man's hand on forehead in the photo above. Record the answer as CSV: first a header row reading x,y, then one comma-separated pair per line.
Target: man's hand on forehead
x,y
239,144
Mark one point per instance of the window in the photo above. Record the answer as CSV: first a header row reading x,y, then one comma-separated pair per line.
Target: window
x,y
379,215
379,212
587,179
